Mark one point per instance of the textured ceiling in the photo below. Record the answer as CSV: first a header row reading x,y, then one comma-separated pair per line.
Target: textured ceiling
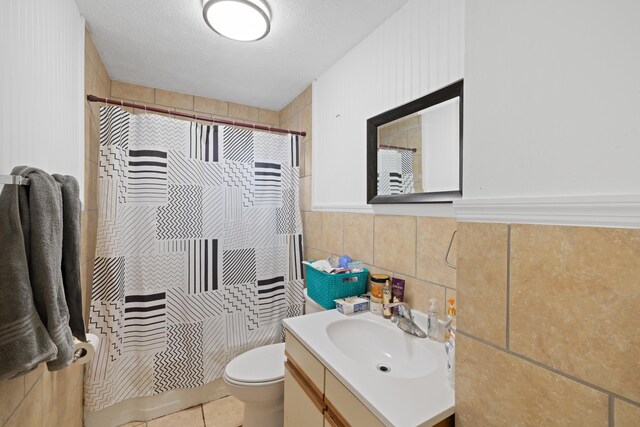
x,y
166,44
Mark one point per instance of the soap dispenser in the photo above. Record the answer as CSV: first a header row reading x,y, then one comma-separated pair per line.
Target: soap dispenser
x,y
432,325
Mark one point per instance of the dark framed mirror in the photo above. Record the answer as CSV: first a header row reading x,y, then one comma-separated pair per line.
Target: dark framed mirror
x,y
414,151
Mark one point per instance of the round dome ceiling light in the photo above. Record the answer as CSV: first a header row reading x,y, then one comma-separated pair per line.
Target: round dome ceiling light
x,y
242,20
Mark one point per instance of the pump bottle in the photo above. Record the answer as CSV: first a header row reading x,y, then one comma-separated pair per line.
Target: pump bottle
x,y
432,326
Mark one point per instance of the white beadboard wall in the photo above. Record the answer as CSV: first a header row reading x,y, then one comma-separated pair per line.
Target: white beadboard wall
x,y
41,86
417,50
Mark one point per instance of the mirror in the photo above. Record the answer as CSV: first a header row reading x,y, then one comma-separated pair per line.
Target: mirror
x,y
414,151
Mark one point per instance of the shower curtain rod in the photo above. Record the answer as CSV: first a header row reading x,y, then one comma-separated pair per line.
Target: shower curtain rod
x,y
395,147
93,98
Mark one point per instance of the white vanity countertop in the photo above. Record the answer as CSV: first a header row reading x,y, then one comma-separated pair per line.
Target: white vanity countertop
x,y
421,401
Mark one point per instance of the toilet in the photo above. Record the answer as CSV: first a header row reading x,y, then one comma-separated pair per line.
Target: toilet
x,y
256,378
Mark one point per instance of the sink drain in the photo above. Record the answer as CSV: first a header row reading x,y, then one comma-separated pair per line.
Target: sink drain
x,y
384,368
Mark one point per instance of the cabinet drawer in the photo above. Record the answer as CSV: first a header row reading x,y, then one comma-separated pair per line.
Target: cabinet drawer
x,y
299,408
305,362
347,406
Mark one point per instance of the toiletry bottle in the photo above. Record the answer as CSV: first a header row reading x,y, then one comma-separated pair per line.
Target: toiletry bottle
x,y
432,325
397,293
386,299
451,319
450,349
377,283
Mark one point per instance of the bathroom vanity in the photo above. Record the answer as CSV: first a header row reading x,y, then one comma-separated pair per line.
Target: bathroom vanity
x,y
361,370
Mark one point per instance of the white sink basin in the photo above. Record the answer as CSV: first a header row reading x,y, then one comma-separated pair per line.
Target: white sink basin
x,y
413,391
382,348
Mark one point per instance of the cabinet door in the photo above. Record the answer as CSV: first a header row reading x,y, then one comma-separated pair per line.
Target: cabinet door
x,y
300,409
305,362
345,405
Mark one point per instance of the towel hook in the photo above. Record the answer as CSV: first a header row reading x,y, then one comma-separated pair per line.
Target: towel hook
x,y
446,257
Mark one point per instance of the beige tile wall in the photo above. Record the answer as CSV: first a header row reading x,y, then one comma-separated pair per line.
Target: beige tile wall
x,y
549,325
182,102
96,82
408,247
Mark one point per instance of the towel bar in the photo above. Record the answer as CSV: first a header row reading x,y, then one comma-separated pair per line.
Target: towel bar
x,y
13,179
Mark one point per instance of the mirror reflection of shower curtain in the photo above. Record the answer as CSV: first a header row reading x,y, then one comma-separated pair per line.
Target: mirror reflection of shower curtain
x,y
395,172
198,254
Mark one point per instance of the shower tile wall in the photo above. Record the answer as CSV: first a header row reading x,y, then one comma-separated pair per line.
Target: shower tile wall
x,y
185,103
409,247
96,82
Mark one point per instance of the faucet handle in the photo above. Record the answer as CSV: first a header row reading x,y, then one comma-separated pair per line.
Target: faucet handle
x,y
405,311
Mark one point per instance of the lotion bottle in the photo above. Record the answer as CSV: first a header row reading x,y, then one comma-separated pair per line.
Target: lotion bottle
x,y
432,328
386,299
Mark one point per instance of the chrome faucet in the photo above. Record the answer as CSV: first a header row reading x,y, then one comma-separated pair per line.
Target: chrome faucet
x,y
405,321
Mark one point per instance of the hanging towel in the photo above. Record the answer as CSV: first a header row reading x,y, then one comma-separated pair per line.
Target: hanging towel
x,y
24,341
71,211
43,213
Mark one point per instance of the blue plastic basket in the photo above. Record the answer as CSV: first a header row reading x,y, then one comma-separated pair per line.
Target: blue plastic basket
x,y
323,287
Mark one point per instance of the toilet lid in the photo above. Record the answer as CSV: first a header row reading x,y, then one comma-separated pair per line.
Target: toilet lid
x,y
259,365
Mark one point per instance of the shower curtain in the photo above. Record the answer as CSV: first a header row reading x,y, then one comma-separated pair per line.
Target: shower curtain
x,y
198,254
395,171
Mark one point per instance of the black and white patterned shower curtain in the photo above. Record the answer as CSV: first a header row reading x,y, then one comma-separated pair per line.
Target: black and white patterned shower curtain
x,y
198,254
395,172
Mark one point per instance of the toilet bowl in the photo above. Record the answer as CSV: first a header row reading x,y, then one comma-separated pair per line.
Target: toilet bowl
x,y
257,379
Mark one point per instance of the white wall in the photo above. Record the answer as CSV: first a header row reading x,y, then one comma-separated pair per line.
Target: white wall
x,y
552,98
441,147
417,50
41,86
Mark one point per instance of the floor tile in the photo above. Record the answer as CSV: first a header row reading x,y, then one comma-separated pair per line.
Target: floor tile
x,y
191,417
225,412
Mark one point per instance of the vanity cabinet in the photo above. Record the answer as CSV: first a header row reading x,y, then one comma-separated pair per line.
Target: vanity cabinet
x,y
300,407
313,396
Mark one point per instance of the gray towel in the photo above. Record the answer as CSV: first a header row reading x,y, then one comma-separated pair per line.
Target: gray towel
x,y
43,214
24,341
71,211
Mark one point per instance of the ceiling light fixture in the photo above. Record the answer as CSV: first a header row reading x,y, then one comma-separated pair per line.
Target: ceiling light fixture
x,y
243,20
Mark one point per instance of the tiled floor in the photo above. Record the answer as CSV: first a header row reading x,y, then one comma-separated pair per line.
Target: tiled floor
x,y
225,412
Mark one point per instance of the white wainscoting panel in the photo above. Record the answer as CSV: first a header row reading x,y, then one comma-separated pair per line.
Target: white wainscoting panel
x,y
417,50
41,86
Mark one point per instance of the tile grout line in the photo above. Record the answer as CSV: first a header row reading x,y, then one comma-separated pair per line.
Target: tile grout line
x,y
342,219
415,255
430,282
549,368
373,246
612,420
508,310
